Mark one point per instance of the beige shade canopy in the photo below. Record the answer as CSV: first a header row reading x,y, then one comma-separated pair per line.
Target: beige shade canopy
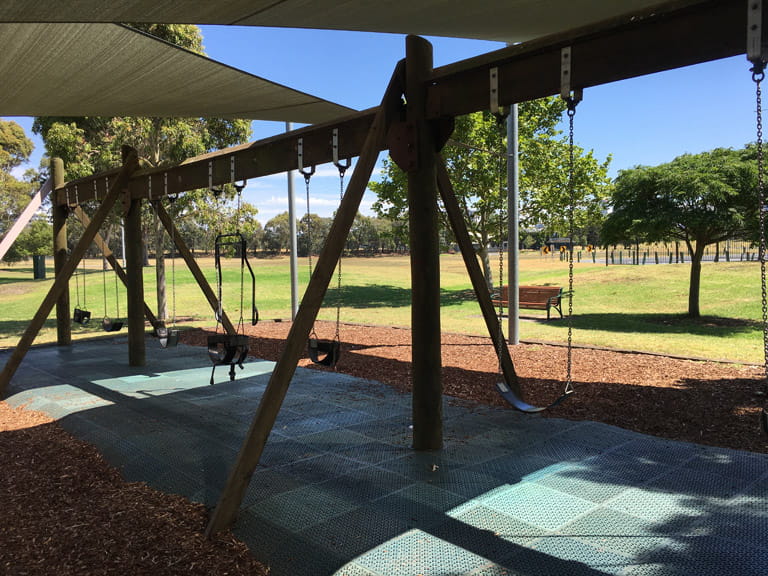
x,y
500,20
112,70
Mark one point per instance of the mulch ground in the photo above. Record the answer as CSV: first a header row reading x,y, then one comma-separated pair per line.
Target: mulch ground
x,y
67,512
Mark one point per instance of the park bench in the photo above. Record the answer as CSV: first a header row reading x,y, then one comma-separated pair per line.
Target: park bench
x,y
534,298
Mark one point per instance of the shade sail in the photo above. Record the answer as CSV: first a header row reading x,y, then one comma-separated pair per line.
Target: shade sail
x,y
501,20
112,70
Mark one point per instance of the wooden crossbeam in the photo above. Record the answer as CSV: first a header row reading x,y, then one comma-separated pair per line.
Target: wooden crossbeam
x,y
653,40
459,227
60,284
269,407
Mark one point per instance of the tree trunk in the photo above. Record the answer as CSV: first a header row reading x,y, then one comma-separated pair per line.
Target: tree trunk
x,y
482,252
693,292
162,300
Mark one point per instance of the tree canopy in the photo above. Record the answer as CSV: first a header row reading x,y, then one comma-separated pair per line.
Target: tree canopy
x,y
15,149
699,199
92,144
476,161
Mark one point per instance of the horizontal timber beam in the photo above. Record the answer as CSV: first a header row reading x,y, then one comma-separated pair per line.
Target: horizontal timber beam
x,y
680,33
261,158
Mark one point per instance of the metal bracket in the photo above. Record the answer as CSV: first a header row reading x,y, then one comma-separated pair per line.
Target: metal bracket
x,y
494,90
341,165
307,173
149,187
210,174
232,169
755,49
565,73
571,95
300,149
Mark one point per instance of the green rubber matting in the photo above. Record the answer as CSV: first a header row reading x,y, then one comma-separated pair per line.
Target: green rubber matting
x,y
340,492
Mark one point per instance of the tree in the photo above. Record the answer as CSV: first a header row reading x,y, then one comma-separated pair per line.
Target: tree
x,y
15,149
476,162
89,145
34,240
277,233
316,229
699,199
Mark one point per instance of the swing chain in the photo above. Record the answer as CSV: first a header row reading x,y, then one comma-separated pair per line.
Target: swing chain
x,y
342,169
571,102
501,342
758,75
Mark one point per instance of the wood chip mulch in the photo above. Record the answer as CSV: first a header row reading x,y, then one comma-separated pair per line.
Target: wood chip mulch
x,y
67,512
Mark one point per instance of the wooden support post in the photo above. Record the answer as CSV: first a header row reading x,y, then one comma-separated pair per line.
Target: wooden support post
x,y
134,264
130,163
60,249
426,362
110,257
186,254
272,400
456,219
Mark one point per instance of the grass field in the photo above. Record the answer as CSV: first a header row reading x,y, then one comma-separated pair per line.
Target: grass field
x,y
628,307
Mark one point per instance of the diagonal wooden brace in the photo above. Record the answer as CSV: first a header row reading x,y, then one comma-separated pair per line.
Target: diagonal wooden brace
x,y
130,164
186,254
269,407
456,219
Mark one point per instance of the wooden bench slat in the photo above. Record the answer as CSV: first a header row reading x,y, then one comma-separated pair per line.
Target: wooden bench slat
x,y
534,298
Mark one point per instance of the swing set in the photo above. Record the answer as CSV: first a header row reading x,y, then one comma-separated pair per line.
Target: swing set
x,y
231,348
324,352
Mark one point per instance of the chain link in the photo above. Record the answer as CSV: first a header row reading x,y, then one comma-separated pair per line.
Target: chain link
x,y
501,341
337,336
571,201
757,77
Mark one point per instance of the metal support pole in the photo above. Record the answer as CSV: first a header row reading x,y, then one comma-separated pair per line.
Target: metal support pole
x,y
294,249
513,222
63,324
134,256
426,362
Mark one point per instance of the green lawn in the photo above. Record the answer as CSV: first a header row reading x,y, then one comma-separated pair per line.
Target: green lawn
x,y
629,307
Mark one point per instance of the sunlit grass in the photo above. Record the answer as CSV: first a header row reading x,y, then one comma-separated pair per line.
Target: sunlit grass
x,y
628,307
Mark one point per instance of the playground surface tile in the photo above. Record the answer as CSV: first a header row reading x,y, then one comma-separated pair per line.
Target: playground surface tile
x,y
340,491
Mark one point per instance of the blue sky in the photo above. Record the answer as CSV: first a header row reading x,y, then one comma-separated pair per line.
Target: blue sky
x,y
646,120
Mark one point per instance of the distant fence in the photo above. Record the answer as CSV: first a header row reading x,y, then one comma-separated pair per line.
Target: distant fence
x,y
659,254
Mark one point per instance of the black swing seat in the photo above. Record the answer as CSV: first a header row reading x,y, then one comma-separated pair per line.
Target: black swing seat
x,y
168,337
109,325
324,352
226,349
519,404
81,316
